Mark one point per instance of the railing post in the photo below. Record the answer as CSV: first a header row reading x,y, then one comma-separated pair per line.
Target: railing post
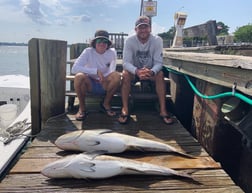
x,y
47,62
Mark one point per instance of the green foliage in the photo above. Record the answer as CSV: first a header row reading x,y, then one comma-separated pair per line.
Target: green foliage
x,y
243,34
222,29
194,41
168,35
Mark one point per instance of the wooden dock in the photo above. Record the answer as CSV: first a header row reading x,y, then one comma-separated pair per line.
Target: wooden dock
x,y
208,175
50,121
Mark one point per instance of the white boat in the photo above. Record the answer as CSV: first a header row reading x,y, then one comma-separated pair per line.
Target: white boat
x,y
15,117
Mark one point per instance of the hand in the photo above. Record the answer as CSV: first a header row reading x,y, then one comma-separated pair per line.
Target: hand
x,y
100,75
144,73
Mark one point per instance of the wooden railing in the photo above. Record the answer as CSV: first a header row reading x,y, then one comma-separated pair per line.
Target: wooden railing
x,y
218,130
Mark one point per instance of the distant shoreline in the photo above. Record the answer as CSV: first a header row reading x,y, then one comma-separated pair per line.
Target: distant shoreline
x,y
16,44
12,44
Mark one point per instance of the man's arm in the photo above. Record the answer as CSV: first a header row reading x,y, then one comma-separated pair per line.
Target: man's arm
x,y
128,54
157,55
81,62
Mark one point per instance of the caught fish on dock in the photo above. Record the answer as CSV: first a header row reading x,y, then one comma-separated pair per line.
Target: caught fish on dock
x,y
110,142
95,166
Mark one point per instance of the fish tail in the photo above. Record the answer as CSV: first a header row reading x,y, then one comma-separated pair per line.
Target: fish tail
x,y
184,174
187,174
185,155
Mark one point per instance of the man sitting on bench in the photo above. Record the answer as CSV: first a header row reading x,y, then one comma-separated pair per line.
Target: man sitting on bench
x,y
143,60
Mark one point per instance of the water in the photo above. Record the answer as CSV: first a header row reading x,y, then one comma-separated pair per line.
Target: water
x,y
14,60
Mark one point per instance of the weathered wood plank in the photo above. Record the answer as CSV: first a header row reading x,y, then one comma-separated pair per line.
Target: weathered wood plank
x,y
35,165
225,70
232,61
215,181
34,85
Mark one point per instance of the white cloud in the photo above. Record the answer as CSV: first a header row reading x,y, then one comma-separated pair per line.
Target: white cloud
x,y
156,29
82,18
60,12
32,8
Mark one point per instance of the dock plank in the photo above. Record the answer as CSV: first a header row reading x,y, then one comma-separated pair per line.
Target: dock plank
x,y
213,181
175,162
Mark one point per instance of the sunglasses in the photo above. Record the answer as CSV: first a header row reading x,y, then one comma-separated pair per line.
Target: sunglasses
x,y
102,40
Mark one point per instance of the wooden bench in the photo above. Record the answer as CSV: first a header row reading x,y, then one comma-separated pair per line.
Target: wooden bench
x,y
140,91
143,91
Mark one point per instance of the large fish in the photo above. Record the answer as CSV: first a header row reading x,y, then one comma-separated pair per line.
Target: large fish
x,y
95,166
110,142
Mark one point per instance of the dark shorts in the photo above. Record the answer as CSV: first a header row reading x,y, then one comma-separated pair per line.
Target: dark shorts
x,y
97,88
136,79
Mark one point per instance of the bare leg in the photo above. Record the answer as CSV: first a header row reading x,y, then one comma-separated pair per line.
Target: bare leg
x,y
111,85
161,92
81,85
125,91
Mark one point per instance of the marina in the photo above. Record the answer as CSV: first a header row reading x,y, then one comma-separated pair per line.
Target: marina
x,y
51,118
207,148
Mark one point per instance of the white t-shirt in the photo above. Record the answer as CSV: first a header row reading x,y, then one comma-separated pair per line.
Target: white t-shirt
x,y
90,61
139,55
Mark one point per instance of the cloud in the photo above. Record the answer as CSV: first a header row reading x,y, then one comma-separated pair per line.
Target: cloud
x,y
156,28
60,12
82,18
107,3
32,8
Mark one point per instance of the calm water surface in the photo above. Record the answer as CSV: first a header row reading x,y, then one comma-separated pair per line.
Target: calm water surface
x,y
14,60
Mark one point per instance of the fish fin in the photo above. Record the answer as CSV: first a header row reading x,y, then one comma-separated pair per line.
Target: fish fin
x,y
138,148
184,174
142,171
98,152
92,155
87,166
92,143
188,174
185,155
103,131
133,170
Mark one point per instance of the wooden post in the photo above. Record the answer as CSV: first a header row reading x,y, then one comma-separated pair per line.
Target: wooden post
x,y
182,98
220,140
47,62
76,49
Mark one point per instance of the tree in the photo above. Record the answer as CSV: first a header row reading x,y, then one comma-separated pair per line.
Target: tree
x,y
168,36
222,29
243,34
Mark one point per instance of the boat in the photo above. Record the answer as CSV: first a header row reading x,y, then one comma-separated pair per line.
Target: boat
x,y
15,117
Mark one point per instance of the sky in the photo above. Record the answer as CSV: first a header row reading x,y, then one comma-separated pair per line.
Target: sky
x,y
76,21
